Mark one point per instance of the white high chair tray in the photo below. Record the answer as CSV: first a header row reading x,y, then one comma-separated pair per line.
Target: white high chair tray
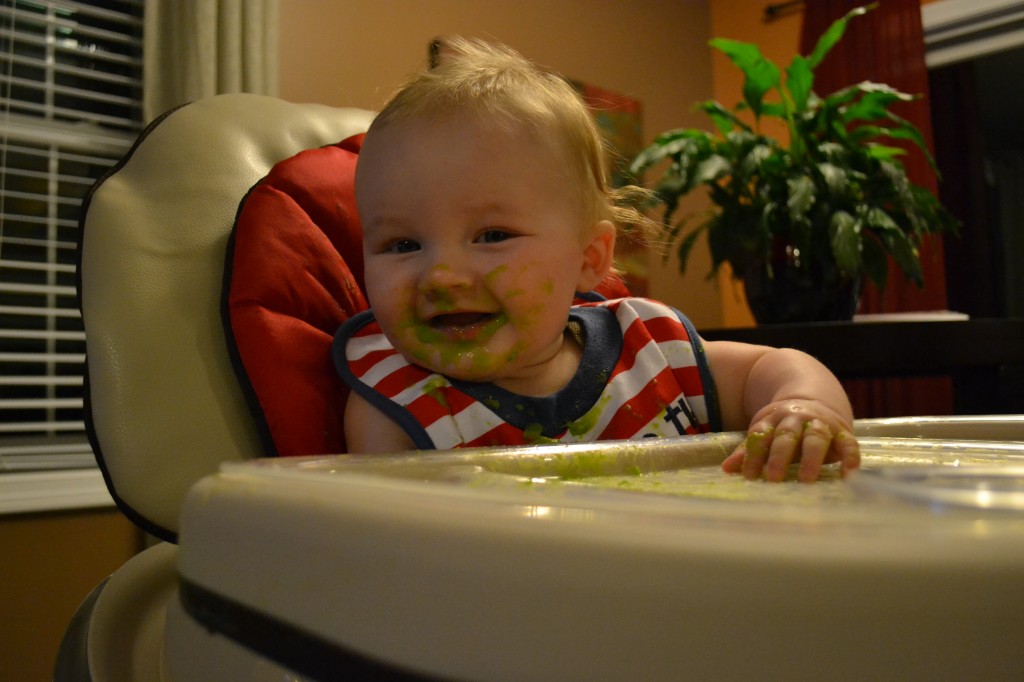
x,y
616,561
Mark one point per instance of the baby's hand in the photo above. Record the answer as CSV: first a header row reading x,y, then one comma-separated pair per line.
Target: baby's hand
x,y
788,431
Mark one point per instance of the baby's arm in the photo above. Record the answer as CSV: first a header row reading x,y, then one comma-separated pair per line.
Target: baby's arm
x,y
368,430
791,406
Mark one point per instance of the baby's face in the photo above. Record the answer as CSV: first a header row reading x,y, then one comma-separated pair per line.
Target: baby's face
x,y
474,246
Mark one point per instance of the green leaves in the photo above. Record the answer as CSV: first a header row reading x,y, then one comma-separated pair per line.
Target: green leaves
x,y
799,79
725,120
846,242
802,194
834,33
872,101
761,75
711,169
837,193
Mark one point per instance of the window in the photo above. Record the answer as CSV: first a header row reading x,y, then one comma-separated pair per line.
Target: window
x,y
957,30
70,92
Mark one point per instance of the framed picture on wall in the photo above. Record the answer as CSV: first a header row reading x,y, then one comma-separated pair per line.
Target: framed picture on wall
x,y
620,120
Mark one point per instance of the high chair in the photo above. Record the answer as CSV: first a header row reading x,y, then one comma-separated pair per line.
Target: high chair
x,y
217,259
210,289
165,403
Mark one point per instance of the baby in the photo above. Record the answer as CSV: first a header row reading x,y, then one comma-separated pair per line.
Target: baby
x,y
483,195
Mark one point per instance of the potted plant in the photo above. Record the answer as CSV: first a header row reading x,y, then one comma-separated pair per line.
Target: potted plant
x,y
803,223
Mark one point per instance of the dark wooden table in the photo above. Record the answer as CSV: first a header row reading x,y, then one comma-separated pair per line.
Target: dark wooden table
x,y
984,357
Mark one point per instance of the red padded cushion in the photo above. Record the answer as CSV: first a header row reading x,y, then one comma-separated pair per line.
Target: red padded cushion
x,y
294,274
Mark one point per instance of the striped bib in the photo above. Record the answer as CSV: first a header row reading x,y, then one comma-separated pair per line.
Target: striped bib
x,y
643,373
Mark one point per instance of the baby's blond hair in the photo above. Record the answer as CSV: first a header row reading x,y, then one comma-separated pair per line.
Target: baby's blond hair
x,y
505,89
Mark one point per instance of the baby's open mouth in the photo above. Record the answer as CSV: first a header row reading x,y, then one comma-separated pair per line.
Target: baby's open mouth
x,y
465,326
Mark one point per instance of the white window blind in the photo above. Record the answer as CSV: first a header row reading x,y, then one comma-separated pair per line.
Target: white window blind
x,y
959,30
70,92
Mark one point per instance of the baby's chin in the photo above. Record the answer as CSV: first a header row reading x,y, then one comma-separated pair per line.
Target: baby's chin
x,y
478,365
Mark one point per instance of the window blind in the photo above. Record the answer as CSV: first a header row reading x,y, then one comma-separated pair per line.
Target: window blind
x,y
70,106
959,30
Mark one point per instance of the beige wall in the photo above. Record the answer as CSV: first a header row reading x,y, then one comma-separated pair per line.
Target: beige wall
x,y
354,53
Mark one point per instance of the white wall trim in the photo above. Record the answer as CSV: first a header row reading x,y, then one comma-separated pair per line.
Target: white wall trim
x,y
53,491
957,30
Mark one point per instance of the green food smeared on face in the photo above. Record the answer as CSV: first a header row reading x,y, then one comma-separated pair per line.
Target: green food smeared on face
x,y
514,352
443,301
453,351
493,326
427,334
442,298
495,273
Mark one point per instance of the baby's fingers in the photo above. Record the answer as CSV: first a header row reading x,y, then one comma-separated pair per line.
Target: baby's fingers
x,y
785,449
817,440
755,451
769,450
795,439
733,464
848,449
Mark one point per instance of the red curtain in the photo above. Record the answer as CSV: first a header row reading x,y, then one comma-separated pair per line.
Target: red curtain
x,y
887,46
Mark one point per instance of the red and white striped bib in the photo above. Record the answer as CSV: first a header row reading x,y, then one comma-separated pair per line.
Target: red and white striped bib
x,y
643,374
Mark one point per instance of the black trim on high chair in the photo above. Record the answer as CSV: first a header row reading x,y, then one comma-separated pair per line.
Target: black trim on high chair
x,y
252,400
72,664
90,428
301,651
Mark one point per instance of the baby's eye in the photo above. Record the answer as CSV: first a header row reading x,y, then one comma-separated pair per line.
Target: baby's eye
x,y
494,236
403,246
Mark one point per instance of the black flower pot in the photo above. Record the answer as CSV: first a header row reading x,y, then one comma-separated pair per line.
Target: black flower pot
x,y
787,293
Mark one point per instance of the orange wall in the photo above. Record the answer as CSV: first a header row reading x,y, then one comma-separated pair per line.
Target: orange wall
x,y
778,41
48,564
355,53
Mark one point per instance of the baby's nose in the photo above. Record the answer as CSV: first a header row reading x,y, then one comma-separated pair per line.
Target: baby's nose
x,y
447,275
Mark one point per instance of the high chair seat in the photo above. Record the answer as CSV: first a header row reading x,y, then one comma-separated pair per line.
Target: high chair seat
x,y
164,402
287,288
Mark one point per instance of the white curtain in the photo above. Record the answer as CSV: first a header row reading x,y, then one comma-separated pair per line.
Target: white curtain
x,y
199,48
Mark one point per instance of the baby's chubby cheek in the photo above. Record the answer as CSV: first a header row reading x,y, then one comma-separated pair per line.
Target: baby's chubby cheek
x,y
524,291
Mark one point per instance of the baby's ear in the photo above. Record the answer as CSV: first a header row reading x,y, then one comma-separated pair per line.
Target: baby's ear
x,y
598,255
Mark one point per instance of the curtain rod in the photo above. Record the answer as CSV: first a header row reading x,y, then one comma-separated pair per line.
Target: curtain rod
x,y
779,9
